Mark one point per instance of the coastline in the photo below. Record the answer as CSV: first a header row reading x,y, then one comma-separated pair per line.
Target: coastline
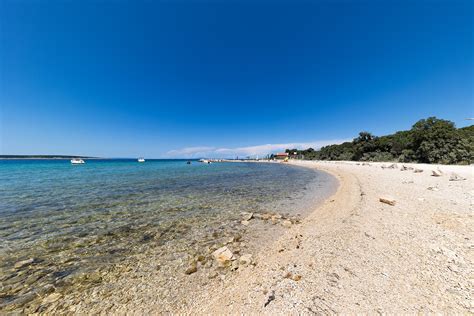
x,y
354,254
348,253
144,267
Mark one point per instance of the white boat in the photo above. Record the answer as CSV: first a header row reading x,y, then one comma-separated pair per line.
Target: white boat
x,y
141,159
77,161
204,161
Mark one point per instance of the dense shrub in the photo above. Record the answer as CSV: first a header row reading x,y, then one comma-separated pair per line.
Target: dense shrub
x,y
430,140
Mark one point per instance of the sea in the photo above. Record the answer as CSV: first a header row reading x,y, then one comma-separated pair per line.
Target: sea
x,y
63,225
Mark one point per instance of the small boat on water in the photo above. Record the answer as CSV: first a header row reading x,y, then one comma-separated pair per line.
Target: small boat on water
x,y
141,159
77,161
189,162
204,161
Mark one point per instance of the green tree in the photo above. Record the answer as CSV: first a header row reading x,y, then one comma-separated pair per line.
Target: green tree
x,y
435,140
430,140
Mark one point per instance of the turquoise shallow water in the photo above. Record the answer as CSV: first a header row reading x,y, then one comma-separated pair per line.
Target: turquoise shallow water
x,y
72,220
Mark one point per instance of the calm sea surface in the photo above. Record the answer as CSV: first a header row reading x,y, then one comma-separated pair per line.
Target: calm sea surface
x,y
68,221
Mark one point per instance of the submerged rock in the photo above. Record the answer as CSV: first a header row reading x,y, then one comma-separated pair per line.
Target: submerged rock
x,y
21,264
191,269
51,298
201,258
21,301
247,216
266,216
237,237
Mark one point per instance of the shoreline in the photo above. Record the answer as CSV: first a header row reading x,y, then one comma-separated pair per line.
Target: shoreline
x,y
348,253
354,254
160,276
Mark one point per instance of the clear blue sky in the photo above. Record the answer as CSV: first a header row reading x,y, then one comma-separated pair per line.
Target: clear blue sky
x,y
177,78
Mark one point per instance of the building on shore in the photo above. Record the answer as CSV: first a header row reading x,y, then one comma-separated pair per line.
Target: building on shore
x,y
281,156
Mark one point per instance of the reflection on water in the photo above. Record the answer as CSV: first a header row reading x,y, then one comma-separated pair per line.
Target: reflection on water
x,y
65,228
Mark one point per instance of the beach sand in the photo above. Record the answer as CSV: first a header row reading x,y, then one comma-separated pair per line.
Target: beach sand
x,y
355,254
351,254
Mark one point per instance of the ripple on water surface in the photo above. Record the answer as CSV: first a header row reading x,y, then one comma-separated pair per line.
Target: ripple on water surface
x,y
65,228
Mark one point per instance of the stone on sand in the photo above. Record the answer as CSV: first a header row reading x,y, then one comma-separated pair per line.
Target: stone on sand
x,y
387,200
456,177
245,260
223,256
436,173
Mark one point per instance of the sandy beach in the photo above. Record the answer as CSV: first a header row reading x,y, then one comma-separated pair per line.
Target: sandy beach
x,y
355,254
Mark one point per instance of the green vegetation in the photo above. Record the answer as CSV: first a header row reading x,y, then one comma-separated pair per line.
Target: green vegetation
x,y
430,140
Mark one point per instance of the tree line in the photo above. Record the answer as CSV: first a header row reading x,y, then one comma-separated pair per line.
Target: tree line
x,y
430,140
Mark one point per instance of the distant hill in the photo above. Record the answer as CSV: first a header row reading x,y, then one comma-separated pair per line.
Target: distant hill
x,y
42,157
430,140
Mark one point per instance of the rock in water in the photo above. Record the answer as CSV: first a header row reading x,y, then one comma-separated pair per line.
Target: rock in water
x,y
191,269
456,177
247,216
286,223
51,298
245,223
245,260
223,256
266,216
21,264
418,170
387,200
